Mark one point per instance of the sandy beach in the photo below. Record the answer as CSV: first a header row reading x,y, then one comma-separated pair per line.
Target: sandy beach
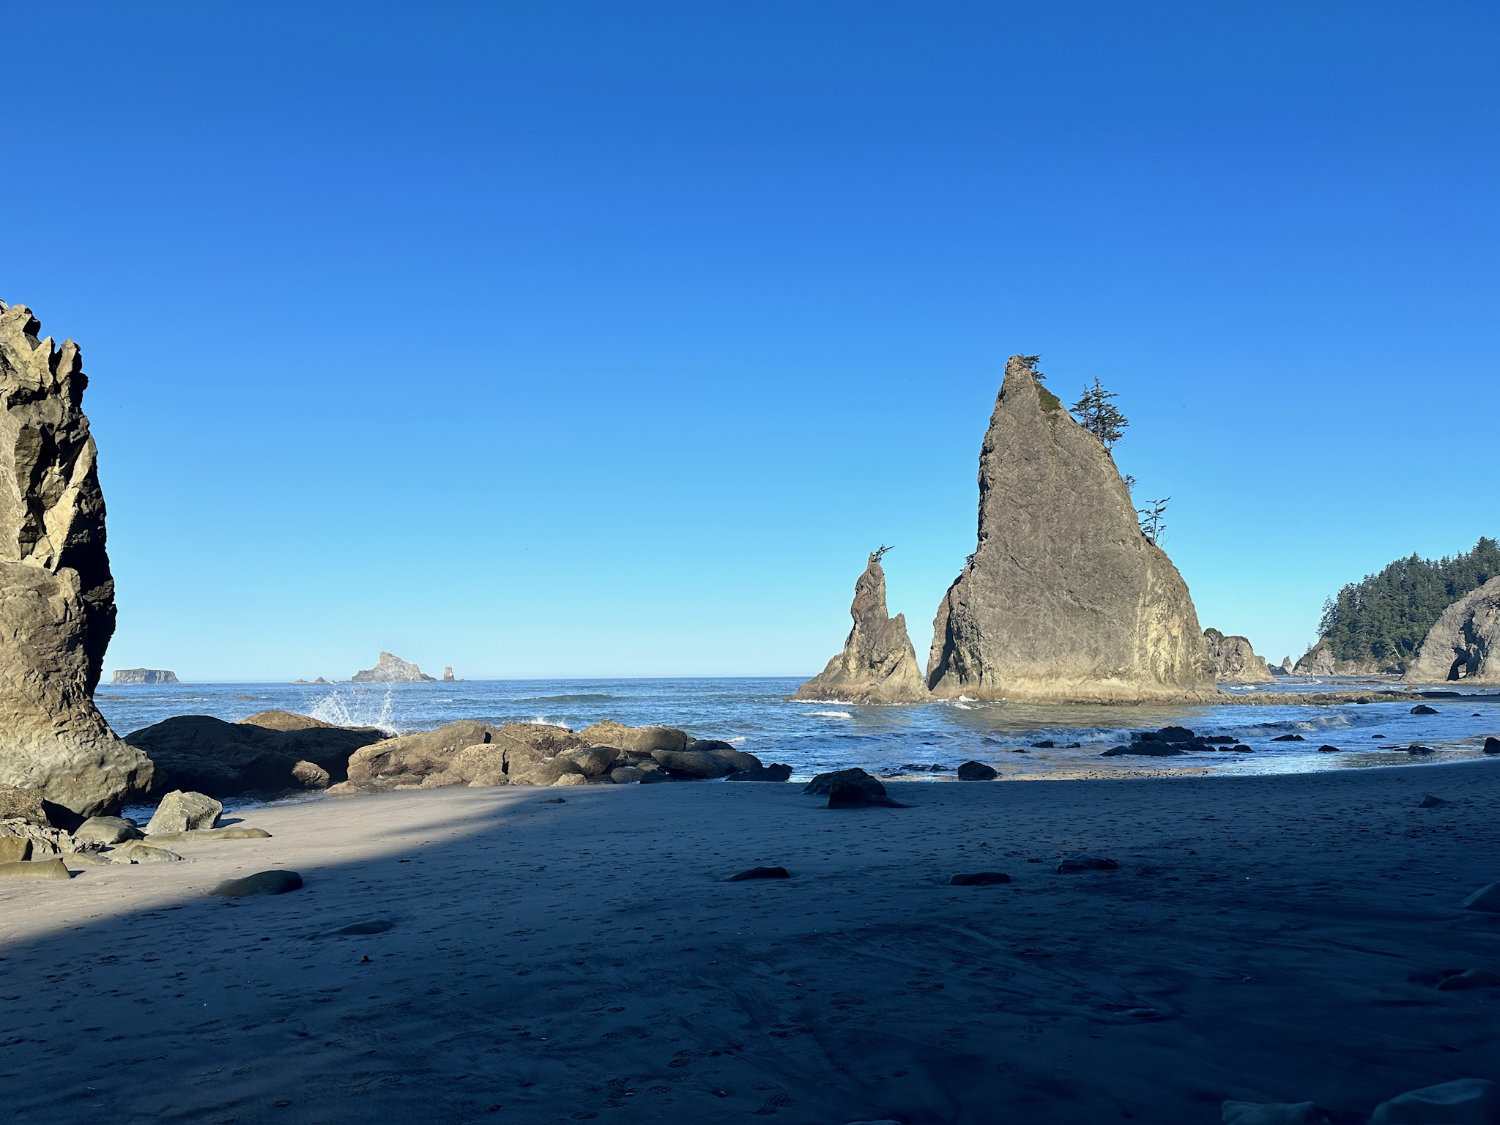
x,y
1265,938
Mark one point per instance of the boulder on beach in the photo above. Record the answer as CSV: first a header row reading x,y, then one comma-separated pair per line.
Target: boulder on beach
x,y
391,669
221,759
1465,1101
57,595
977,771
1464,644
183,812
1233,661
1064,598
878,663
640,739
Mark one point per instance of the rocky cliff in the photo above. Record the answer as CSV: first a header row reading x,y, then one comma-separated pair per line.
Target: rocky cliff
x,y
1465,642
1320,661
1232,660
878,664
392,670
123,676
1063,598
57,607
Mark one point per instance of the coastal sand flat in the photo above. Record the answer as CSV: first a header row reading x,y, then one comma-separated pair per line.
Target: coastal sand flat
x,y
1266,938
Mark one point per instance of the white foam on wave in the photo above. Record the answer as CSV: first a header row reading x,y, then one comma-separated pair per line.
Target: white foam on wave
x,y
829,714
356,709
541,722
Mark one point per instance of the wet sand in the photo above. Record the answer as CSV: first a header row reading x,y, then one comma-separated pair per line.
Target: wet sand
x,y
1265,938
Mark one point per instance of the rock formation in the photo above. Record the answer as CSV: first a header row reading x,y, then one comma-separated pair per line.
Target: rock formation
x,y
1064,598
1320,661
1464,644
391,670
56,592
448,674
123,676
1233,661
878,664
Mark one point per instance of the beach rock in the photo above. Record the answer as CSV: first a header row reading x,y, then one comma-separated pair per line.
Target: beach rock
x,y
44,841
184,812
1423,709
1328,749
1418,748
1073,864
639,739
626,775
709,744
1467,1101
655,777
14,849
1289,738
222,759
571,779
701,765
1492,745
134,851
592,761
761,873
228,832
1271,1113
1464,643
1232,660
977,771
1145,750
391,669
1486,899
823,783
979,879
1469,978
854,795
1064,598
124,676
261,883
35,869
286,720
878,663
106,830
310,775
776,771
410,758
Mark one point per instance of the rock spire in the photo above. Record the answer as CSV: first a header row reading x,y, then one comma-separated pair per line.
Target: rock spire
x,y
1232,660
878,664
1464,644
57,597
1063,599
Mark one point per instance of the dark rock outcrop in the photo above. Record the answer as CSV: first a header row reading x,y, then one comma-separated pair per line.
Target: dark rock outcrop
x,y
878,663
57,596
977,771
208,755
391,669
1064,598
126,676
1464,644
1232,660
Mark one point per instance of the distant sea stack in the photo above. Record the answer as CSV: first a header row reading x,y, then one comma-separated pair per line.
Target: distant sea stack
x,y
878,664
57,596
1320,661
1232,660
124,676
392,670
1465,642
1064,598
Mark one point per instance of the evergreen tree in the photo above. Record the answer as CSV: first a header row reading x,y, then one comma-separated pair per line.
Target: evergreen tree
x,y
1032,363
1099,416
1152,519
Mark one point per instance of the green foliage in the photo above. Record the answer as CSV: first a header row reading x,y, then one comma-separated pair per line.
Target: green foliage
x,y
1051,404
1384,618
1097,415
1153,518
1032,363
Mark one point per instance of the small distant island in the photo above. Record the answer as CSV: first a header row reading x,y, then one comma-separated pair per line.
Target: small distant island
x,y
143,676
390,669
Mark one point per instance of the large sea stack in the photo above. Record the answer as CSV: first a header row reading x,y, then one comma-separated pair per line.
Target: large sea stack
x,y
878,664
1464,644
1232,660
57,597
1064,598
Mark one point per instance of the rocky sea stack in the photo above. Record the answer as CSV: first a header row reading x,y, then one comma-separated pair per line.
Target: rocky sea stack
x,y
391,669
878,664
1064,598
1465,642
1232,660
57,596
126,676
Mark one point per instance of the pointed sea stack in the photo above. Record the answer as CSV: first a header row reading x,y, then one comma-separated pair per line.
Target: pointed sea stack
x,y
1464,644
1064,599
878,664
1232,659
57,596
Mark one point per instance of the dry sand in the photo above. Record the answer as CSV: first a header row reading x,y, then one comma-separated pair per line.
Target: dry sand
x,y
1266,938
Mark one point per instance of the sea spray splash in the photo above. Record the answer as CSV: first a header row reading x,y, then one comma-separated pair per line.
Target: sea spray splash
x,y
357,707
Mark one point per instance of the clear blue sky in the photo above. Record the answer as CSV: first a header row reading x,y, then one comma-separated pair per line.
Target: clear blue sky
x,y
607,338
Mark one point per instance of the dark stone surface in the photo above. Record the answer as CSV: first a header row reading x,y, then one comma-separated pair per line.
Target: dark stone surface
x,y
761,873
977,771
261,883
979,879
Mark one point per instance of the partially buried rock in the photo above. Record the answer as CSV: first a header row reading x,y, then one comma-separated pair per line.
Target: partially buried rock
x,y
1145,750
776,771
1492,745
184,812
14,849
1467,1101
261,883
35,869
979,879
761,873
1073,864
1288,738
136,851
106,830
977,771
703,765
1423,709
1271,1113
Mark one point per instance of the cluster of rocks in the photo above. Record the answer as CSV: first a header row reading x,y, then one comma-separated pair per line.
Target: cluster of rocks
x,y
1320,661
472,753
41,841
1171,741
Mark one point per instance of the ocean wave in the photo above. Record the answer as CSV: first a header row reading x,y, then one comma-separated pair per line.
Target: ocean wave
x,y
829,714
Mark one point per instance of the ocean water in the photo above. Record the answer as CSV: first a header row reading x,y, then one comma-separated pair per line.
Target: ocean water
x,y
894,741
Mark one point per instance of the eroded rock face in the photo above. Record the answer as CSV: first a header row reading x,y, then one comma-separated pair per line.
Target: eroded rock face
x,y
1464,644
878,664
1320,661
1064,599
56,592
1232,660
126,676
391,669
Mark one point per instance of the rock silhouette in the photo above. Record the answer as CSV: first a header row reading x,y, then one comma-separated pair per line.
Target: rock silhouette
x,y
1064,598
